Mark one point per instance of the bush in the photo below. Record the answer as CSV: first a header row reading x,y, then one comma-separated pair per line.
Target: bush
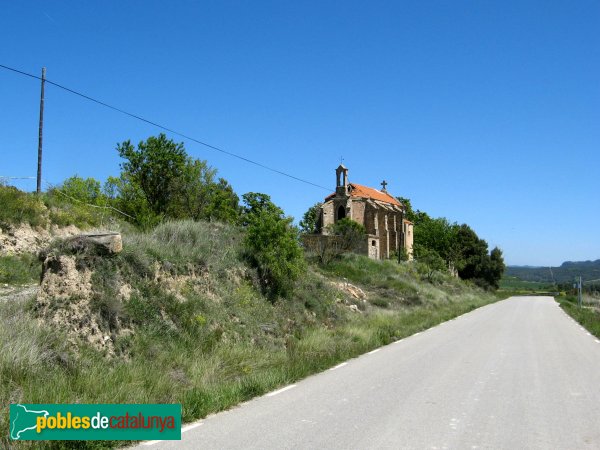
x,y
272,245
350,231
21,207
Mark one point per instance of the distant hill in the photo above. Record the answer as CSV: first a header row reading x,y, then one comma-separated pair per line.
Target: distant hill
x,y
566,272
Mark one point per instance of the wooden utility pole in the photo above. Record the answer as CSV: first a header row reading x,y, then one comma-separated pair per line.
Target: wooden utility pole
x,y
39,167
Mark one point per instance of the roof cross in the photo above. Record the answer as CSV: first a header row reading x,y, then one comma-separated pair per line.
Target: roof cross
x,y
384,184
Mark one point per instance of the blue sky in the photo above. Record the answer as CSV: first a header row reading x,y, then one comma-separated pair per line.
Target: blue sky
x,y
486,113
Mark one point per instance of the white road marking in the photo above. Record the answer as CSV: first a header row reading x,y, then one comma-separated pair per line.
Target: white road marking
x,y
183,430
271,394
191,426
338,366
373,351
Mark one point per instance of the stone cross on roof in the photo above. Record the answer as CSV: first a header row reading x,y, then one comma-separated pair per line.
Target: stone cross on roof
x,y
384,184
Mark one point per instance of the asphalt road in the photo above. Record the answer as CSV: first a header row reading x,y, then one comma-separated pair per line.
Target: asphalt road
x,y
513,375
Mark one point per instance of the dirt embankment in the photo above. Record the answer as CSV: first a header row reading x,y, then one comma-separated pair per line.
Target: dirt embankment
x,y
15,240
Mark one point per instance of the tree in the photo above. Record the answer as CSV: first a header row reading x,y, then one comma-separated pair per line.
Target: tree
x,y
87,190
155,167
159,180
199,197
496,269
310,219
430,262
409,212
255,204
457,246
224,205
272,245
129,198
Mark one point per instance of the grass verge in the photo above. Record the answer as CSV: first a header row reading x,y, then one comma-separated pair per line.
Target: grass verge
x,y
196,329
587,317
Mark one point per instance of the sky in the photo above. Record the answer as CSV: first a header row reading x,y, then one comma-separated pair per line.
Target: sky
x,y
486,113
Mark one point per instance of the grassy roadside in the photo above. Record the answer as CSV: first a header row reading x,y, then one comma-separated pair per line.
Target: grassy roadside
x,y
213,339
588,317
228,374
19,269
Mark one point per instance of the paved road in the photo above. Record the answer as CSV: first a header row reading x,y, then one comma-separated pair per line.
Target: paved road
x,y
516,374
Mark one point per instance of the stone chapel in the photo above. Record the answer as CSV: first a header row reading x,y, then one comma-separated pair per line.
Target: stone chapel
x,y
382,215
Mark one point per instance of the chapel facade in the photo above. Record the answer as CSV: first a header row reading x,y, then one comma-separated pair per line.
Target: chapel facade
x,y
382,215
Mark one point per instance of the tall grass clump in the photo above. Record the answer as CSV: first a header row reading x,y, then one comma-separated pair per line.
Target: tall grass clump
x,y
182,245
19,269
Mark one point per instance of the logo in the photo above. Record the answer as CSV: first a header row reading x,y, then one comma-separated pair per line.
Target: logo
x,y
95,422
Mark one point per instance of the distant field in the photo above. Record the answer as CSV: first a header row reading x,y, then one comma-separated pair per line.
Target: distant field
x,y
515,284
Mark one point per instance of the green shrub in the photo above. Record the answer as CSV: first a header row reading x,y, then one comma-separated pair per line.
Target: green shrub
x,y
272,245
21,207
19,269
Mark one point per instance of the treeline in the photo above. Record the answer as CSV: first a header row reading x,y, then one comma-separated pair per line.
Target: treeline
x,y
438,245
159,182
456,248
565,273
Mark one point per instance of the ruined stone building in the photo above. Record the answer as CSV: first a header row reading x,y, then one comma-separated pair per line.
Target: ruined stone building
x,y
380,213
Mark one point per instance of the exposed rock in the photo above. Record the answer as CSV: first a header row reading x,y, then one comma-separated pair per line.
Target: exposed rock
x,y
354,308
103,243
348,288
25,239
64,302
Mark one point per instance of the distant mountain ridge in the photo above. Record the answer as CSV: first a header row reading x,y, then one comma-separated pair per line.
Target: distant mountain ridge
x,y
566,272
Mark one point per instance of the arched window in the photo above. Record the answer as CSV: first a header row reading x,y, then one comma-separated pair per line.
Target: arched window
x,y
341,212
373,243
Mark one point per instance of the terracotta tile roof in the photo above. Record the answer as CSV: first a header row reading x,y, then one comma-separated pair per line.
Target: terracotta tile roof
x,y
360,191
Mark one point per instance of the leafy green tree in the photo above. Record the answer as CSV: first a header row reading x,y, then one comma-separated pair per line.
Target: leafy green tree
x,y
430,262
159,180
128,197
457,246
224,205
409,212
87,190
255,204
272,245
437,235
155,167
496,269
310,219
199,197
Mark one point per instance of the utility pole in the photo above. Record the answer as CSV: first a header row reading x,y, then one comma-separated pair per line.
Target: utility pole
x,y
579,294
39,166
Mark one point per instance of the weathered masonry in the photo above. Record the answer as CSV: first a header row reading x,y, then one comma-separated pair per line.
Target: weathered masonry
x,y
382,215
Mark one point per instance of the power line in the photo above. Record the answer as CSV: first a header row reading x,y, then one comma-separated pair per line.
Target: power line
x,y
170,130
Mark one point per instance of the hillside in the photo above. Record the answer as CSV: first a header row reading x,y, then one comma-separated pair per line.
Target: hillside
x,y
183,297
565,273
